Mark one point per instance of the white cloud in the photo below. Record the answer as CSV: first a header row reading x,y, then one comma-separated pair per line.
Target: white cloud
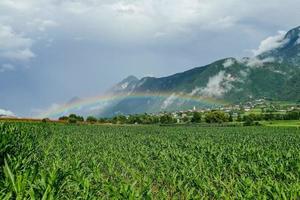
x,y
196,90
228,62
120,18
244,74
42,25
11,40
18,54
13,46
271,43
18,5
125,8
77,7
137,19
6,67
6,113
218,85
256,62
169,101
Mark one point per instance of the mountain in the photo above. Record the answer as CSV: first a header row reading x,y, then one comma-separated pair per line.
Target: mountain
x,y
125,86
273,74
288,50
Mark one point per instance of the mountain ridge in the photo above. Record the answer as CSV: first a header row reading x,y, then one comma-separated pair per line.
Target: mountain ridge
x,y
273,74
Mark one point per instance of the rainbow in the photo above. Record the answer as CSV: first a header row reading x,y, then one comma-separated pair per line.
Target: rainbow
x,y
96,100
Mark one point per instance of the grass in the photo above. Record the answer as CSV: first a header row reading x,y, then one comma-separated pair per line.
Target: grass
x,y
282,123
54,161
258,111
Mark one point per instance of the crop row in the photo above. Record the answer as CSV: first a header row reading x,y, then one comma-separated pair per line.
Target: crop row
x,y
48,161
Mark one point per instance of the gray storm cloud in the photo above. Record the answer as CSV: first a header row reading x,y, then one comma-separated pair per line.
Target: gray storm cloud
x,y
13,46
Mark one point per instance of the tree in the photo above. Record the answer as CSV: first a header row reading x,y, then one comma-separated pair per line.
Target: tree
x,y
120,119
76,118
230,119
72,120
45,120
251,117
216,117
166,119
239,118
269,116
292,115
63,118
185,119
196,117
134,119
91,119
248,121
73,116
104,120
145,118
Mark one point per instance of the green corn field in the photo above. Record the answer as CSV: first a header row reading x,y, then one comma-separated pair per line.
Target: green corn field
x,y
55,161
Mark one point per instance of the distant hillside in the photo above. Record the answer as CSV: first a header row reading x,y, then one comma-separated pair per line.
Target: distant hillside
x,y
274,74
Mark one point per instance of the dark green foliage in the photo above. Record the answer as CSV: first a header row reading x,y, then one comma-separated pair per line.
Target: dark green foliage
x,y
120,119
249,121
143,119
253,117
197,117
76,117
91,119
216,117
72,120
134,119
239,118
63,118
7,135
104,120
291,115
185,119
230,119
167,119
45,120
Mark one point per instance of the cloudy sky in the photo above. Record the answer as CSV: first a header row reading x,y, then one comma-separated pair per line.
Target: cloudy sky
x,y
53,50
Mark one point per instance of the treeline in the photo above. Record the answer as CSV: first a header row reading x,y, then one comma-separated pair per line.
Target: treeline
x,y
251,118
164,118
211,117
169,118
